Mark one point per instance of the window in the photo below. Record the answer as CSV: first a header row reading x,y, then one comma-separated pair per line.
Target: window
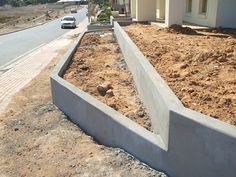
x,y
203,7
188,6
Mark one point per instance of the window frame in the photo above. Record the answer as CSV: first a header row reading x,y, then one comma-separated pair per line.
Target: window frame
x,y
188,7
203,4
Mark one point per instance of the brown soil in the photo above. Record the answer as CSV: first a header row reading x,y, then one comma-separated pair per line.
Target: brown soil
x,y
14,19
98,61
179,29
200,67
38,140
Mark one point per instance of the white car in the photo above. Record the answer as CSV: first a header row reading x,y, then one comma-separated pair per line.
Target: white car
x,y
68,22
73,10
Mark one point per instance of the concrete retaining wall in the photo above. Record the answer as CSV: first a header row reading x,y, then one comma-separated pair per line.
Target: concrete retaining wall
x,y
186,143
154,92
102,122
99,27
198,145
123,21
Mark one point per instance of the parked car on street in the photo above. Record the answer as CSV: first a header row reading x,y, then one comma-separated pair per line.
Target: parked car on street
x,y
73,10
68,22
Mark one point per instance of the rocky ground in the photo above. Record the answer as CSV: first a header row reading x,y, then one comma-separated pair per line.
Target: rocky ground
x,y
99,69
38,140
13,19
199,66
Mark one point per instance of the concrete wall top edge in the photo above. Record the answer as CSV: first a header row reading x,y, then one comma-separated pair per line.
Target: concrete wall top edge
x,y
208,121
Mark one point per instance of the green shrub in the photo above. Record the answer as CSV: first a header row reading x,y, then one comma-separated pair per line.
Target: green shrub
x,y
115,13
104,15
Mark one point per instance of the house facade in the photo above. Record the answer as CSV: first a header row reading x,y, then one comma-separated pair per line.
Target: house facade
x,y
212,13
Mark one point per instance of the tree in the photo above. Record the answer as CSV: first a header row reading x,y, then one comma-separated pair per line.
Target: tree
x,y
14,3
17,3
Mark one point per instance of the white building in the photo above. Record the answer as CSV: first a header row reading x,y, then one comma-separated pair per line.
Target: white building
x,y
212,13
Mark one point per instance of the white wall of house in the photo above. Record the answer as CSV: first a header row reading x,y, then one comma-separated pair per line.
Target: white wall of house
x,y
226,16
160,9
146,11
174,12
209,19
218,12
133,8
121,2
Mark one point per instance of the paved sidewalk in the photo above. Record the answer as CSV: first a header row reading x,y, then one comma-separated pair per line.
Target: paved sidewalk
x,y
31,65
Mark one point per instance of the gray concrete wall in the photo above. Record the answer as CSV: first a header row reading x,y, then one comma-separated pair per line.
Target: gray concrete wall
x,y
198,145
99,27
106,125
123,21
154,92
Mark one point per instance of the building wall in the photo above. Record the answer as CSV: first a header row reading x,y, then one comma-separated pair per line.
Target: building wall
x,y
226,16
219,12
133,8
174,12
146,11
207,20
160,11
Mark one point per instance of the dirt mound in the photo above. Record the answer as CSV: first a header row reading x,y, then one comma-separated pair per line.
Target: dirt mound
x,y
90,40
200,69
178,29
229,31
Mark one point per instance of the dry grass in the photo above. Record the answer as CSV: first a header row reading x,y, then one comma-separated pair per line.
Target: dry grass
x,y
12,19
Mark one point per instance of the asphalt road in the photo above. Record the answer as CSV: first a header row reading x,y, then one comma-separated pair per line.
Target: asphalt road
x,y
16,45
